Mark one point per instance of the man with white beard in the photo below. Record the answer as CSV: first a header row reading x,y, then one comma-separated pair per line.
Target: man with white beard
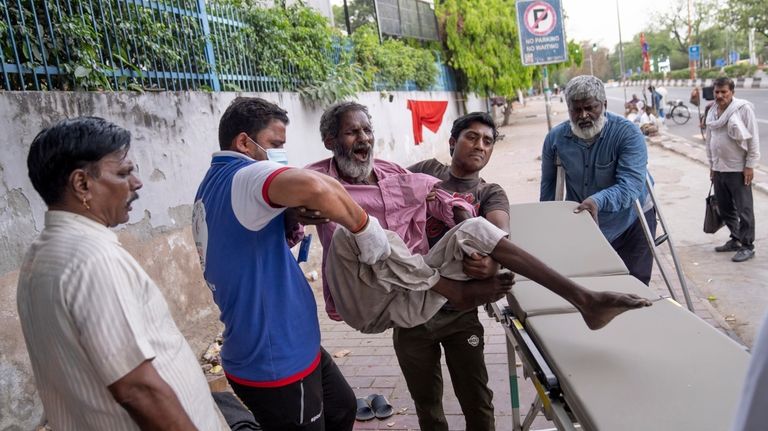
x,y
604,157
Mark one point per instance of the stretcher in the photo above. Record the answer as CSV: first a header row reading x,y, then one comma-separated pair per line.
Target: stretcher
x,y
657,368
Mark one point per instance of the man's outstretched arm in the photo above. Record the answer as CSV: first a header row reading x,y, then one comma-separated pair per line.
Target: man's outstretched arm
x,y
309,189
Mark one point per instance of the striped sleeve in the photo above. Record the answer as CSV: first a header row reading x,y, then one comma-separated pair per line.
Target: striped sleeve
x,y
250,194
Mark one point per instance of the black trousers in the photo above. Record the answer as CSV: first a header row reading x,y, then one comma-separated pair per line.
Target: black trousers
x,y
734,200
418,353
633,248
321,401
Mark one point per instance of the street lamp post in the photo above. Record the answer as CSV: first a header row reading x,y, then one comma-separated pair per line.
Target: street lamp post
x,y
621,51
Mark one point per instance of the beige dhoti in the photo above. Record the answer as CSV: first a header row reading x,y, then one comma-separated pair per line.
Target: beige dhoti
x,y
396,291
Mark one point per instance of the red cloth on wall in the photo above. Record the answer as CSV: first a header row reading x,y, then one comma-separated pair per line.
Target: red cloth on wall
x,y
427,113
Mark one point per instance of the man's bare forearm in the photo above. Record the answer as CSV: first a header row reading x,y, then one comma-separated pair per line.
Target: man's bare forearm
x,y
304,188
150,401
466,295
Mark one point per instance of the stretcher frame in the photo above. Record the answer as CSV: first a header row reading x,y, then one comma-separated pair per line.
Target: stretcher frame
x,y
550,398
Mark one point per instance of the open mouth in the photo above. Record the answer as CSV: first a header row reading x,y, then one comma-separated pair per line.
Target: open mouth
x,y
361,152
130,202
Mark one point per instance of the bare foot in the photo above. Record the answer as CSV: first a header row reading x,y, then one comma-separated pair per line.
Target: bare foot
x,y
604,306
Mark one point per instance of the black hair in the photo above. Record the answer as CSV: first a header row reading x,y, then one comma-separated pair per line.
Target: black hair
x,y
723,81
463,122
75,143
330,121
250,115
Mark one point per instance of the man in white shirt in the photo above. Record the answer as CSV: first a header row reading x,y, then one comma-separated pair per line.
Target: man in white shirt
x,y
733,150
104,349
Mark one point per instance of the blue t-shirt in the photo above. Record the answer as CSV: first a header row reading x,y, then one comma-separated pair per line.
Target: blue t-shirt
x,y
611,171
271,335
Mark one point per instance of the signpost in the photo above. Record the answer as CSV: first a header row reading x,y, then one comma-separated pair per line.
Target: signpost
x,y
540,25
542,38
694,54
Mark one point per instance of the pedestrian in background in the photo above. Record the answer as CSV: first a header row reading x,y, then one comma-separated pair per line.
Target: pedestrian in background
x,y
658,100
733,150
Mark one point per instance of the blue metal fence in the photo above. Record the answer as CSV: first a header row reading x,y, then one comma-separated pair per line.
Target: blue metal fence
x,y
174,45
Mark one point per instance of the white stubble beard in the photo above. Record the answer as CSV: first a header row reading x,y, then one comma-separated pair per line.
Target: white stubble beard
x,y
350,167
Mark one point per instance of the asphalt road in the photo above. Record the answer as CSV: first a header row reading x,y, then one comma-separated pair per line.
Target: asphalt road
x,y
690,130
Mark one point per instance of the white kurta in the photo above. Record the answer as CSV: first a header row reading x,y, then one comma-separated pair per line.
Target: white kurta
x,y
90,314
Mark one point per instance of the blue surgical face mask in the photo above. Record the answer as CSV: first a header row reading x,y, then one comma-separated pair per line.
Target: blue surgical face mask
x,y
277,155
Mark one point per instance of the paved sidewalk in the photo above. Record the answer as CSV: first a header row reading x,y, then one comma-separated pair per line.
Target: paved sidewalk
x,y
369,362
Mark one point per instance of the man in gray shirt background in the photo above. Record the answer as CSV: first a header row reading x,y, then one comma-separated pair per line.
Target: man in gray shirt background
x,y
733,150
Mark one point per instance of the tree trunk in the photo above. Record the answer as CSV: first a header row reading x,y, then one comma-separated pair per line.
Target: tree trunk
x,y
508,111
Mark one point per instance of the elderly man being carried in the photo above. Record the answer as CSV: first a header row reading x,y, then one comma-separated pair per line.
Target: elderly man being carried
x,y
375,288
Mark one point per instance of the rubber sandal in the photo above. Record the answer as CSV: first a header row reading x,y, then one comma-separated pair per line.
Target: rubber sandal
x,y
364,412
381,407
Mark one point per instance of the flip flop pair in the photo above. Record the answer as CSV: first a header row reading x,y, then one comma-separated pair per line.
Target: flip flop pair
x,y
373,406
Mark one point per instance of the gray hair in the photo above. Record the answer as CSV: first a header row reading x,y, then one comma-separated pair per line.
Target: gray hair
x,y
330,121
583,87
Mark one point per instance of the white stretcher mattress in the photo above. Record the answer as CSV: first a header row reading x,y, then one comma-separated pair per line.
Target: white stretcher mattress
x,y
570,243
660,368
657,368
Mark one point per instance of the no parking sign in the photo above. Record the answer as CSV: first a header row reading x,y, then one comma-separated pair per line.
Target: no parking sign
x,y
540,25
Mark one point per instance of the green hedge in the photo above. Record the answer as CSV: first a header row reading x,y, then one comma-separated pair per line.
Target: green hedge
x,y
732,71
741,70
679,74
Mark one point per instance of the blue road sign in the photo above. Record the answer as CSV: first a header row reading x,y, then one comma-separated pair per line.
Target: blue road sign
x,y
734,56
694,52
540,25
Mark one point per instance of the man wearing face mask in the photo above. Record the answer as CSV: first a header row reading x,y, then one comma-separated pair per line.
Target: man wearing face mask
x,y
605,159
271,355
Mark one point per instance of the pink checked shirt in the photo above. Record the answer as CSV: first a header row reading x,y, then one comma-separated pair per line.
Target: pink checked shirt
x,y
398,201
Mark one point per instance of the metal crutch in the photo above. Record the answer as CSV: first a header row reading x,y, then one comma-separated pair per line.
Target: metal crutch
x,y
655,242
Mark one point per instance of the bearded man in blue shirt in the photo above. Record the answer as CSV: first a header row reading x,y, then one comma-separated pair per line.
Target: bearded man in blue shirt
x,y
605,158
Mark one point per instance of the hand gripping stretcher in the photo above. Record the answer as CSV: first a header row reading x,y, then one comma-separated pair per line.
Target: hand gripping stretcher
x,y
657,368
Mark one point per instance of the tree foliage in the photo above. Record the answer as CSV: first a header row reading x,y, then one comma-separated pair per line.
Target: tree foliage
x,y
676,19
482,41
392,62
293,37
77,45
361,12
747,14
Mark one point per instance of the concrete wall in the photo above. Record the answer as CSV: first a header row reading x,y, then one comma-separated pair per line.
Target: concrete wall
x,y
173,135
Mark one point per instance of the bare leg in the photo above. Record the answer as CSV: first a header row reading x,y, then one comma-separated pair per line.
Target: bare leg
x,y
597,308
